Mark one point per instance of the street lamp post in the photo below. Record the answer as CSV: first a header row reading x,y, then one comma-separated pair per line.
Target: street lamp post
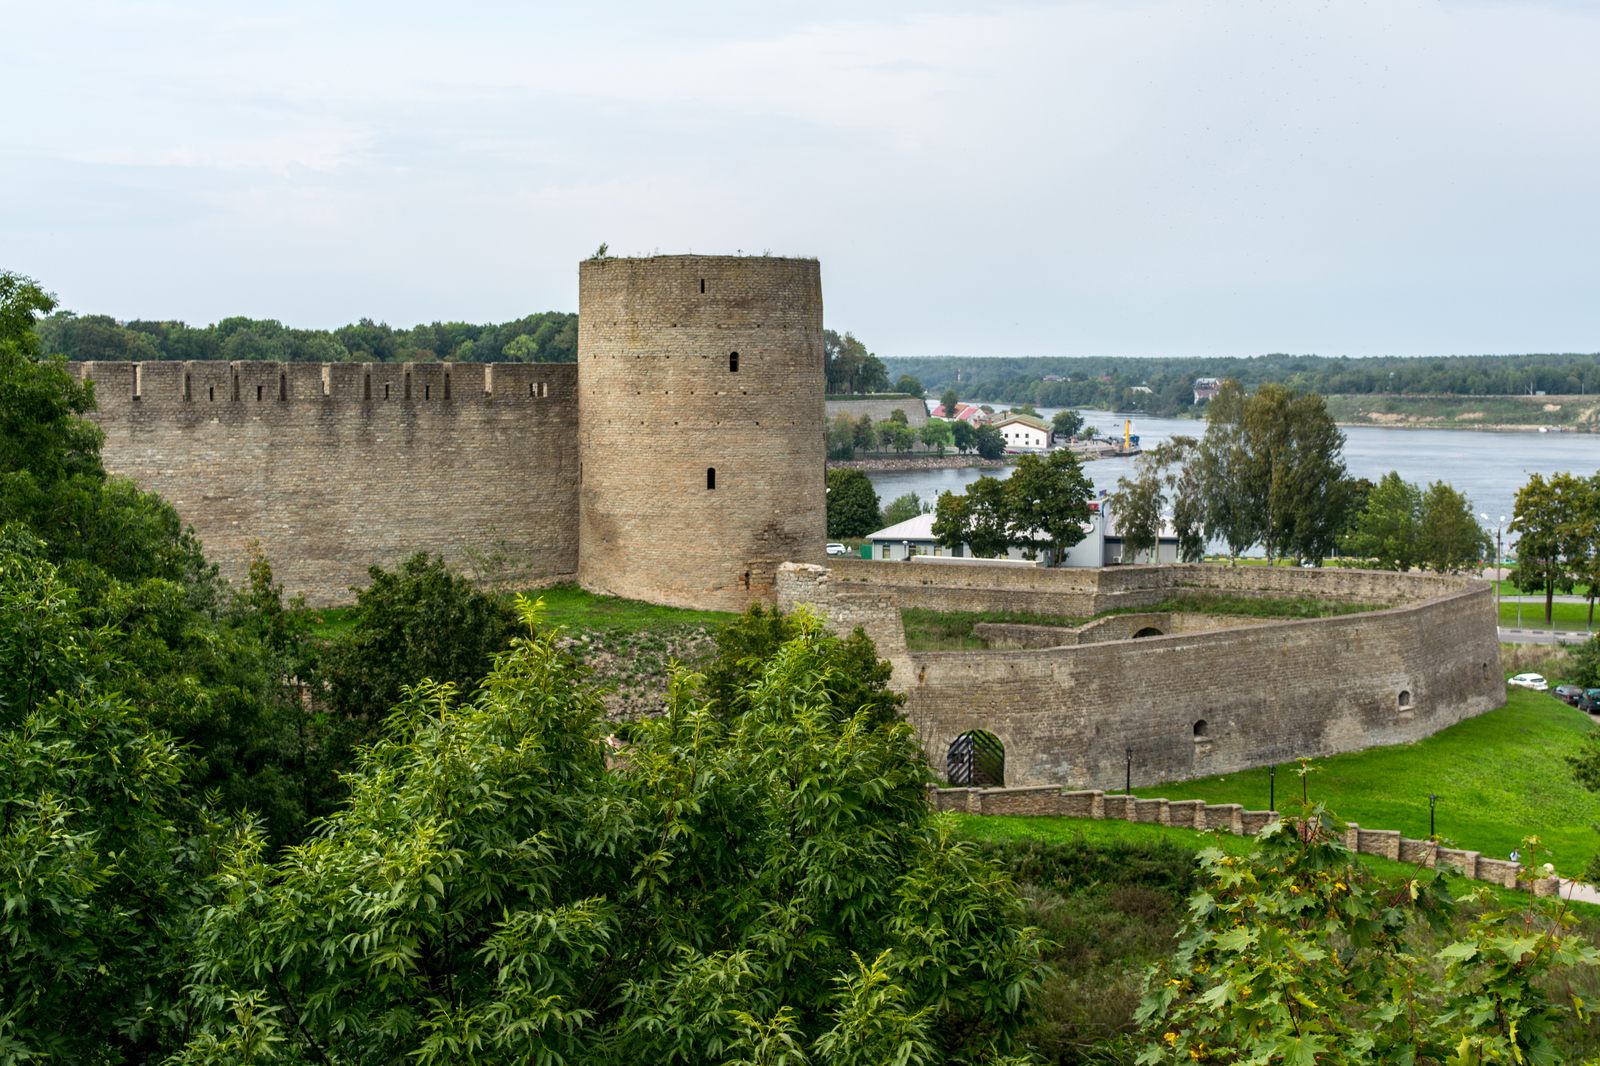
x,y
1128,787
1431,799
1272,787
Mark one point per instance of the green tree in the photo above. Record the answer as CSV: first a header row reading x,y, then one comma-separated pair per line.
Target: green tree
x,y
1451,538
948,402
989,441
965,437
936,435
1297,470
852,504
904,507
416,621
1067,423
865,436
1049,502
841,437
767,879
1297,954
103,852
978,518
910,386
854,678
1388,530
1546,519
850,367
900,435
1269,471
1137,504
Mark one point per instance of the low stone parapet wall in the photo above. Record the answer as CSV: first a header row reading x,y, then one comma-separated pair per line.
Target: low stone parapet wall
x,y
1198,814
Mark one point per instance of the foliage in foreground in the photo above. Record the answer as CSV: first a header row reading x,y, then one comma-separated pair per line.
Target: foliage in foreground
x,y
1295,954
766,882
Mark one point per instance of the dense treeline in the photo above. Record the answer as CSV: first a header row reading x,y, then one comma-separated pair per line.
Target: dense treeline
x,y
551,337
1115,384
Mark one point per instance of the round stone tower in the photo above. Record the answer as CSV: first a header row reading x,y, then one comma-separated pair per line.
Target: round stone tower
x,y
700,395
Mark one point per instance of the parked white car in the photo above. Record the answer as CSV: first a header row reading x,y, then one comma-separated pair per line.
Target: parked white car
x,y
838,549
1533,681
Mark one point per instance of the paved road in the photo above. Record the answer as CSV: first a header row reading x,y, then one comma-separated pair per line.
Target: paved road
x,y
1513,635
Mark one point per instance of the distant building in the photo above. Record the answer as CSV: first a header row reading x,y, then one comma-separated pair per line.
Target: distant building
x,y
1026,433
968,412
1141,388
1100,546
1205,388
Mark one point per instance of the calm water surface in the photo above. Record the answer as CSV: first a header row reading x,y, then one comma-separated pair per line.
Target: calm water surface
x,y
1487,467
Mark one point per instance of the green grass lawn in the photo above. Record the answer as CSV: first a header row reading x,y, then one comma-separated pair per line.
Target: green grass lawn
x,y
1064,830
1498,777
1567,615
566,605
571,606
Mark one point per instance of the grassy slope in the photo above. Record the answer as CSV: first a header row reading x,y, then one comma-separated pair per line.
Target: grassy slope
x,y
1437,411
1065,830
1498,777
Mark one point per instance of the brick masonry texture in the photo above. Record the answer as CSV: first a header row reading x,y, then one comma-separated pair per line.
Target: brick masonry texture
x,y
335,467
332,468
1116,627
1189,704
1054,801
662,405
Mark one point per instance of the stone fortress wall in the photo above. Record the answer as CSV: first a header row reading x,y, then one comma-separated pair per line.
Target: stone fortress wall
x,y
1189,704
332,468
879,410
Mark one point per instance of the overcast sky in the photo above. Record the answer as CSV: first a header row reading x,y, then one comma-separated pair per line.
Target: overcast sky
x,y
1234,178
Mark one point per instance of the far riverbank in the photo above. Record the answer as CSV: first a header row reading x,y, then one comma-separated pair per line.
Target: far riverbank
x,y
918,462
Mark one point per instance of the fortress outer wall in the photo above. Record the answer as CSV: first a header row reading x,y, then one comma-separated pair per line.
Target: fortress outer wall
x,y
1266,692
702,458
333,467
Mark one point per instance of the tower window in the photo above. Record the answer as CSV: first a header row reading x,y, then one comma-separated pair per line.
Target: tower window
x,y
733,362
711,477
366,388
212,393
702,284
1200,729
186,395
258,394
283,386
386,390
427,391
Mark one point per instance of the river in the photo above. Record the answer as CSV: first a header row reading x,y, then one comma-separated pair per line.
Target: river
x,y
1488,467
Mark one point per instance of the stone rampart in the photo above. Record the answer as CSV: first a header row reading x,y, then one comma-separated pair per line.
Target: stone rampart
x,y
879,410
1189,704
1080,592
334,467
1054,801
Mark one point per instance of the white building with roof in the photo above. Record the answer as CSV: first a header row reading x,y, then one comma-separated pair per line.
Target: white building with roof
x,y
1024,433
1100,546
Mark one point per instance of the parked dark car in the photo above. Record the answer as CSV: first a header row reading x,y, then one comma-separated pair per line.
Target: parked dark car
x,y
1569,694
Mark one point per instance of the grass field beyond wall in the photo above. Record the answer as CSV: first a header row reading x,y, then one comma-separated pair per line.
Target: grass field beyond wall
x,y
1498,777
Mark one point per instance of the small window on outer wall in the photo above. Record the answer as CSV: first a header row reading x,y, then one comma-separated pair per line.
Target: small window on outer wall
x,y
711,477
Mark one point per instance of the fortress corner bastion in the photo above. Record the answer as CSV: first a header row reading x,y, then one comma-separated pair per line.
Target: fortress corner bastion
x,y
679,461
1188,700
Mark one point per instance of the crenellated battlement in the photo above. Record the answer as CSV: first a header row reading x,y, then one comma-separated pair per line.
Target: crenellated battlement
x,y
333,467
178,386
